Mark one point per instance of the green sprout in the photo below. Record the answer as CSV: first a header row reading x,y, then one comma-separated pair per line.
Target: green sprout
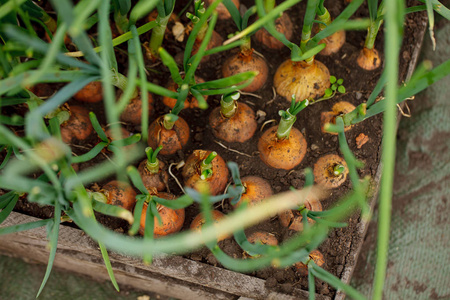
x,y
288,117
152,162
206,166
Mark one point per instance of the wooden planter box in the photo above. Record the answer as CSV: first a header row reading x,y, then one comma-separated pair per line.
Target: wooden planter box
x,y
171,275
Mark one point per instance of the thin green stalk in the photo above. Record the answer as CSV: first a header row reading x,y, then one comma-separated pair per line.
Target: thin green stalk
x,y
206,166
108,265
394,18
158,32
375,24
325,18
144,90
54,233
118,40
288,118
310,14
269,5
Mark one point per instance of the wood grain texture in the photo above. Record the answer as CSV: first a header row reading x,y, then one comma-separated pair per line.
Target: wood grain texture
x,y
168,275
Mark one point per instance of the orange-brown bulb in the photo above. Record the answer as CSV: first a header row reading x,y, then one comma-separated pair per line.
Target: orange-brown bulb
x,y
120,194
333,43
368,59
324,171
215,41
91,93
340,108
245,61
262,237
293,219
78,126
283,25
172,140
153,180
239,128
172,220
199,221
305,81
132,113
256,190
192,172
318,259
282,154
221,9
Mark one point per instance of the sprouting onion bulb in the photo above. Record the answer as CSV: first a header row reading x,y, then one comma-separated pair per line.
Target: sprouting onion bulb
x,y
152,171
172,139
304,80
172,220
293,218
244,61
233,121
283,146
206,166
330,171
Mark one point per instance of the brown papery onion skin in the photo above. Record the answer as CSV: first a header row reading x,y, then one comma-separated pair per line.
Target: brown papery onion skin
x,y
305,81
283,25
172,140
282,154
239,128
245,61
368,59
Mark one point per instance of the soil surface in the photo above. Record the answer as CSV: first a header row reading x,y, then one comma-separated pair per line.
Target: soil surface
x,y
358,84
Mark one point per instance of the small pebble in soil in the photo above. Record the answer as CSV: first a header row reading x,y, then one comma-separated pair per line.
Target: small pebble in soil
x,y
279,276
282,173
271,282
212,260
260,116
339,269
287,288
358,95
296,183
314,147
196,256
198,137
325,290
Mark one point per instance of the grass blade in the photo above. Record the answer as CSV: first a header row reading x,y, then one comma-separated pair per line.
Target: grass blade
x,y
137,215
108,265
54,233
335,282
136,179
8,209
234,12
180,202
311,286
144,94
24,227
394,19
430,14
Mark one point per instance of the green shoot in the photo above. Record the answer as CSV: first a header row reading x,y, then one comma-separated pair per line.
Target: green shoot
x,y
288,117
206,166
228,104
152,161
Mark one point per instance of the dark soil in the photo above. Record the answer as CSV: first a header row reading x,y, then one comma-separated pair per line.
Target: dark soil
x,y
358,83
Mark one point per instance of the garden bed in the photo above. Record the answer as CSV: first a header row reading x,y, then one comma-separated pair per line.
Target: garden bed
x,y
196,275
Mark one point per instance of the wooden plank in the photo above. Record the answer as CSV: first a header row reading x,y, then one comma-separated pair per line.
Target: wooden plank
x,y
169,275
